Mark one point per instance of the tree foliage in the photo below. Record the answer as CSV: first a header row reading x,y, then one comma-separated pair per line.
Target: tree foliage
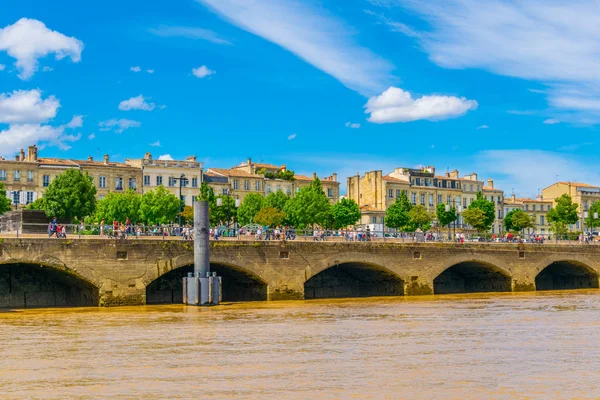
x,y
39,204
187,215
225,213
4,201
477,218
345,213
286,175
72,195
590,221
118,207
159,206
251,205
276,199
489,211
397,213
517,220
309,206
270,216
563,214
419,217
445,217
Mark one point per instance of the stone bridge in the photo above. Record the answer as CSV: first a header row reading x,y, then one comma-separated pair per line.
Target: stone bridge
x,y
87,272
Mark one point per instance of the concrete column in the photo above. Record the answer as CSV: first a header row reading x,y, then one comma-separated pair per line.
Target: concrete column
x,y
201,239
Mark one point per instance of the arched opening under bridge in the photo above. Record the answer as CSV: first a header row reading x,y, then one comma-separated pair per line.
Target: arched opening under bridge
x,y
353,279
566,275
238,285
472,277
25,285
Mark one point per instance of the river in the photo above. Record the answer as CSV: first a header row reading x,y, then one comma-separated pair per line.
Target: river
x,y
532,345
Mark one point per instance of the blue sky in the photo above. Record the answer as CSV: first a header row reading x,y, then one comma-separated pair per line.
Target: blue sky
x,y
507,90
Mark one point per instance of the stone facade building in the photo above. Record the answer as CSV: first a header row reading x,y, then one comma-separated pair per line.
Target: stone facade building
x,y
536,208
168,173
583,194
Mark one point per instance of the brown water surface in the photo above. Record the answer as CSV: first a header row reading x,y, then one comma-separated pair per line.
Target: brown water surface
x,y
538,345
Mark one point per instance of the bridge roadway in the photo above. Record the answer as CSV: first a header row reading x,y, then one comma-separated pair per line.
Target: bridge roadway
x,y
87,272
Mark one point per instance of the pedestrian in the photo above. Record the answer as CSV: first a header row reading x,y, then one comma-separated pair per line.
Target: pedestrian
x,y
52,228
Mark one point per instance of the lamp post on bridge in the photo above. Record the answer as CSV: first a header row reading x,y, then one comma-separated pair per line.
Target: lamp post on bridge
x,y
237,205
182,182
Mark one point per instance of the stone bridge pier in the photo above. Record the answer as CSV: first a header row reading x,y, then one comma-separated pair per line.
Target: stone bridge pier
x,y
85,272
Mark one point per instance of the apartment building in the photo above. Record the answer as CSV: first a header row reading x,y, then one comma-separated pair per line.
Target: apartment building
x,y
536,208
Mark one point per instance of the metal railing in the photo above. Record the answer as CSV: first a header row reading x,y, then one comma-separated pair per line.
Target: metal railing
x,y
175,232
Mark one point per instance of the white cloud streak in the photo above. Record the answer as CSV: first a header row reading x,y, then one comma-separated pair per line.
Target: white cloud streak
x,y
202,72
135,69
28,40
165,157
292,136
136,103
189,33
155,144
118,125
313,35
353,125
27,106
397,105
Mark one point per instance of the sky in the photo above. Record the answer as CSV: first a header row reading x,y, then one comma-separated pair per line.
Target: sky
x,y
507,89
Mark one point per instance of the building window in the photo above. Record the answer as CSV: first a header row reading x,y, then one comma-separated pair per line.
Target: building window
x,y
533,207
492,199
457,201
101,197
330,193
257,185
431,200
29,176
268,188
184,182
298,189
158,180
16,197
448,199
465,202
146,180
439,198
246,185
183,199
413,198
132,184
171,181
45,180
195,182
236,184
2,174
526,206
29,197
391,193
17,176
422,199
499,200
102,182
499,214
542,222
225,190
397,192
288,191
373,220
119,183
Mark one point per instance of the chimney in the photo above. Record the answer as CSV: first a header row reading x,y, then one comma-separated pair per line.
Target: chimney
x,y
314,175
106,159
539,197
90,158
454,174
148,156
447,174
30,153
283,168
514,198
190,158
249,161
34,153
17,157
491,183
21,155
335,177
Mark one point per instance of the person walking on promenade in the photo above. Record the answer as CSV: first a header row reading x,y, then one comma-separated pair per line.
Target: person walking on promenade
x,y
52,228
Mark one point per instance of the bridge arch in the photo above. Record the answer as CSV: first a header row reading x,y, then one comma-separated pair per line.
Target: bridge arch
x,y
567,273
352,279
239,283
471,275
45,281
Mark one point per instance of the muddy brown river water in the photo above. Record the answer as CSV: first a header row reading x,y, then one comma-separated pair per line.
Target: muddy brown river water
x,y
533,345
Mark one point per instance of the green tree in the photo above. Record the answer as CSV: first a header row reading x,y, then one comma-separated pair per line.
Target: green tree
x,y
251,205
4,201
309,206
158,207
118,207
72,195
39,204
477,218
345,213
276,200
187,215
563,214
590,221
489,211
445,218
270,216
208,194
227,212
517,220
419,217
397,213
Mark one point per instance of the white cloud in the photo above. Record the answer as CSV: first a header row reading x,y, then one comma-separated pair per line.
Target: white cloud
x,y
118,125
550,41
166,157
136,103
155,144
313,35
76,122
28,40
188,32
551,121
202,72
91,136
47,69
2,67
521,112
483,127
150,71
397,105
353,125
526,171
20,136
135,69
292,136
27,106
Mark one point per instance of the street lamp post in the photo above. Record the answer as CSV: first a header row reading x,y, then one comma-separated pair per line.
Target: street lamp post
x,y
457,210
182,180
220,203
